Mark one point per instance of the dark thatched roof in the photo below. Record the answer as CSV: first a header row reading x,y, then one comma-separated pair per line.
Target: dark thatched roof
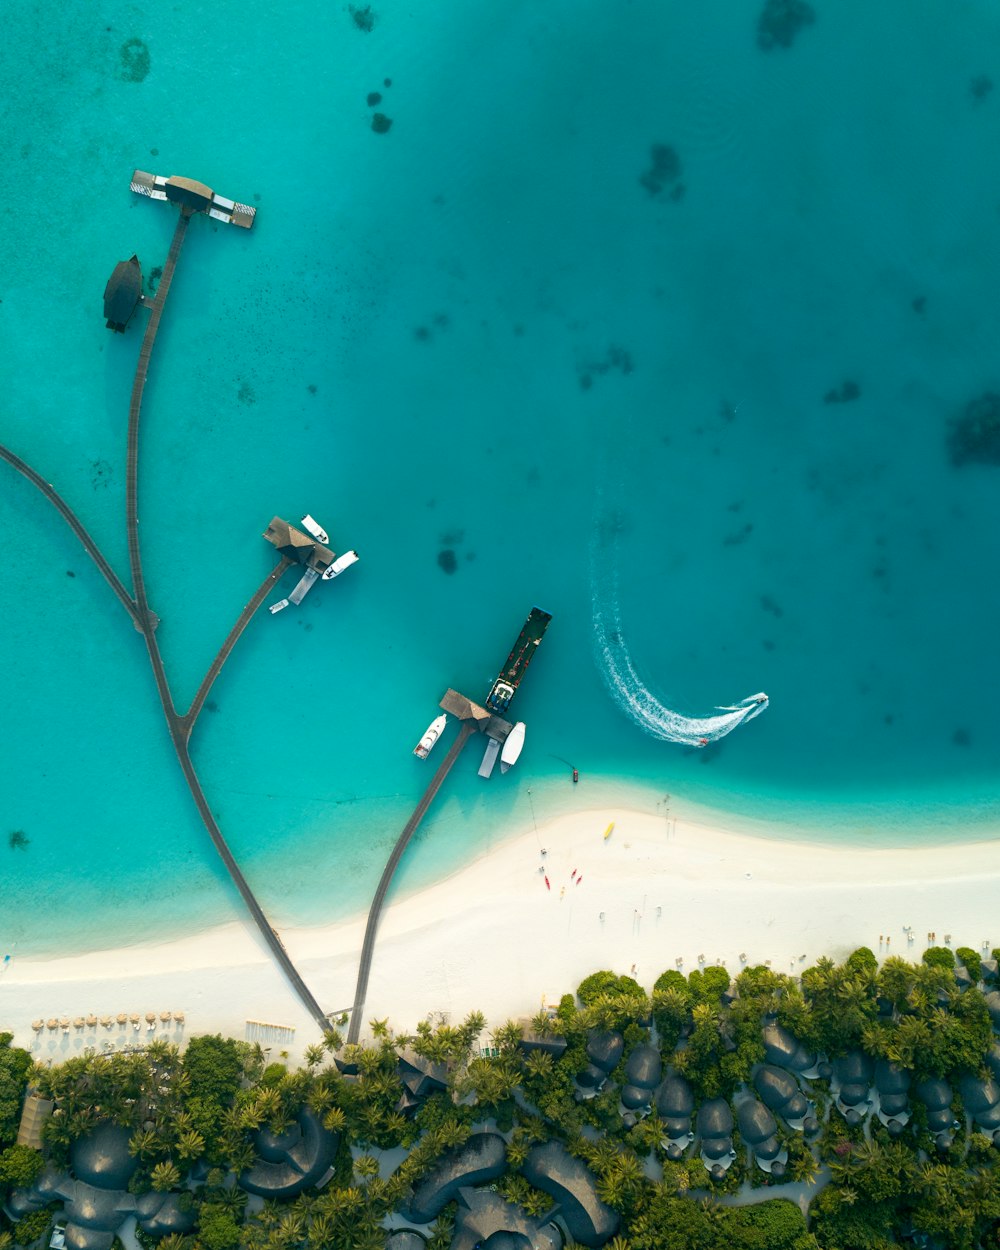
x,y
486,1221
674,1098
782,1048
567,1180
853,1068
122,293
644,1067
890,1078
482,1158
101,1157
755,1121
290,1162
604,1049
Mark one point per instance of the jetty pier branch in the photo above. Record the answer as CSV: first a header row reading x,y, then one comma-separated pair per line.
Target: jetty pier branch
x,y
474,718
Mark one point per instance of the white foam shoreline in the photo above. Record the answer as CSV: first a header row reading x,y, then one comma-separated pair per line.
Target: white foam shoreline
x,y
492,937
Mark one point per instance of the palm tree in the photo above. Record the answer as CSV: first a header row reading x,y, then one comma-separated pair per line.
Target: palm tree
x,y
508,1036
190,1144
334,1120
365,1166
165,1176
144,1144
314,1055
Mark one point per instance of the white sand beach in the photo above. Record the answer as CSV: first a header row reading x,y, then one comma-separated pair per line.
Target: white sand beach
x,y
492,936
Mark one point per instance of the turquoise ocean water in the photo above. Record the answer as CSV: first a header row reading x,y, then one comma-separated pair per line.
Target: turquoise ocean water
x,y
505,331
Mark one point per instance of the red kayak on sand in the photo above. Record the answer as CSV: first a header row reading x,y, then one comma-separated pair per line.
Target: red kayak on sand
x,y
547,886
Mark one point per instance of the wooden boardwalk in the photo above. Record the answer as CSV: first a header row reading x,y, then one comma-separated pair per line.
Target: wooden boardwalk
x,y
180,726
146,621
466,730
69,516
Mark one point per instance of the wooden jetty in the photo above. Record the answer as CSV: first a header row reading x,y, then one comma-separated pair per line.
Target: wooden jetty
x,y
474,718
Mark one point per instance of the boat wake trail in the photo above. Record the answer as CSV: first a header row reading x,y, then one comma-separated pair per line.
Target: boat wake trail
x,y
630,692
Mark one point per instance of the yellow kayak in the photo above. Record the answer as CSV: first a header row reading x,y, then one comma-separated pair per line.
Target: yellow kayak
x,y
609,831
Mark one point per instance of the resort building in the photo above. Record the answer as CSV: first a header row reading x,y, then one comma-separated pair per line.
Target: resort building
x,y
123,294
193,197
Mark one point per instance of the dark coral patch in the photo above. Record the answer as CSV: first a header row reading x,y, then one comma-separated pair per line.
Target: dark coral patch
x,y
447,560
134,60
381,124
975,435
781,21
664,169
363,18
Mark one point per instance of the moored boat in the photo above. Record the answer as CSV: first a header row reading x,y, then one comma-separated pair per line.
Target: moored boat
x,y
512,746
342,562
434,731
315,529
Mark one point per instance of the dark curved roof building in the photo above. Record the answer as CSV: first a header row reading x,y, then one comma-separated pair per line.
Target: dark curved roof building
x,y
758,1129
292,1161
101,1157
779,1091
482,1158
573,1187
715,1128
605,1049
123,293
782,1048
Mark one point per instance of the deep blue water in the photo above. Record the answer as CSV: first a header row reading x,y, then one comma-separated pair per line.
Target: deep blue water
x,y
500,330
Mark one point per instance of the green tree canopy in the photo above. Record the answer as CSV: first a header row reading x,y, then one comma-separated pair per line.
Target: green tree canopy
x,y
15,1065
20,1165
939,957
214,1067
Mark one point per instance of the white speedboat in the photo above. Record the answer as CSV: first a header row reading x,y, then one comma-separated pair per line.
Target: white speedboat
x,y
342,562
313,526
512,746
434,731
278,607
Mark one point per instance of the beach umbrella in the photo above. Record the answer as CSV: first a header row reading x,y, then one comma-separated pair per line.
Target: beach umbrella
x,y
150,1017
79,1022
92,1021
134,1017
179,1017
53,1023
64,1021
107,1021
165,1017
38,1025
122,1018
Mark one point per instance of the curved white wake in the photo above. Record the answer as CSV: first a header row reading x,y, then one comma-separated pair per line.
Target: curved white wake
x,y
636,699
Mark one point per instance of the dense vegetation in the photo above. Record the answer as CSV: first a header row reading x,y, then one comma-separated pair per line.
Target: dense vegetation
x,y
193,1116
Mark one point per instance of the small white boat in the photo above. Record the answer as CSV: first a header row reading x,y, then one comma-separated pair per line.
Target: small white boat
x,y
342,562
489,757
512,747
278,607
313,526
434,731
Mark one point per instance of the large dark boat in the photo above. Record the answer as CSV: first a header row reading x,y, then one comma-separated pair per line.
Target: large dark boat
x,y
517,662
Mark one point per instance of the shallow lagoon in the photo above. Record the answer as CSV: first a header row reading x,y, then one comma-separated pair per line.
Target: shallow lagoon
x,y
482,333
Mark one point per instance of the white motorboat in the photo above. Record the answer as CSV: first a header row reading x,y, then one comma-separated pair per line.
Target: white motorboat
x,y
512,747
434,731
313,526
342,562
278,607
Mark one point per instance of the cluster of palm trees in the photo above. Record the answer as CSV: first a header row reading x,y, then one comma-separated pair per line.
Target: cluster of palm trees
x,y
183,1113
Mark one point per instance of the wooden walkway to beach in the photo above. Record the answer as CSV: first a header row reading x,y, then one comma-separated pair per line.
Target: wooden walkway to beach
x,y
466,730
146,621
